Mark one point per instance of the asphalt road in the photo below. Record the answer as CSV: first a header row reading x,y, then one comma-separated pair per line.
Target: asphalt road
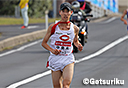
x,y
24,63
15,30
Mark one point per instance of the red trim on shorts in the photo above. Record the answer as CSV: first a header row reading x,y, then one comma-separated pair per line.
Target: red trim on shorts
x,y
47,64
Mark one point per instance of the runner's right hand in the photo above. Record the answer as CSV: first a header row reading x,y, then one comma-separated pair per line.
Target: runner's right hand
x,y
56,51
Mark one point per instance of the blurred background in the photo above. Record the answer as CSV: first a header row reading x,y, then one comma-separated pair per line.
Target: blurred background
x,y
37,8
10,13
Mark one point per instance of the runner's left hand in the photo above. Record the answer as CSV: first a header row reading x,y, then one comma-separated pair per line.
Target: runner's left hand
x,y
80,47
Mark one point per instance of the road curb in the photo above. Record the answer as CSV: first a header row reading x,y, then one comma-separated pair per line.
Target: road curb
x,y
21,39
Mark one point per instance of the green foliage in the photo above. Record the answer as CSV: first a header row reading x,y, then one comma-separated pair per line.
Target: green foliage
x,y
7,7
37,8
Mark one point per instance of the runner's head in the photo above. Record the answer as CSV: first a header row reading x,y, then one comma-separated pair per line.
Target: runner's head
x,y
65,11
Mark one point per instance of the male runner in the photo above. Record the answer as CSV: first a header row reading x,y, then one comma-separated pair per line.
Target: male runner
x,y
61,59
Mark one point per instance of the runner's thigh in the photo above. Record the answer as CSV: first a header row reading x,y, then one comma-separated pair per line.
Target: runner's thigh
x,y
56,78
68,72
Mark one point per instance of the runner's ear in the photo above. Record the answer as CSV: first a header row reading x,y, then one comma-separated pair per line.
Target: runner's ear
x,y
60,12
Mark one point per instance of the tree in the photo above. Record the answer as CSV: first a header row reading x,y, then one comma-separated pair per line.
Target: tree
x,y
7,7
37,8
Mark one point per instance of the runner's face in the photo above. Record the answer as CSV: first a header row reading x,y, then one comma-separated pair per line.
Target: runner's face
x,y
65,14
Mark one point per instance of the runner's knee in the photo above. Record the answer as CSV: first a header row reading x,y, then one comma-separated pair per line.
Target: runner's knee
x,y
58,84
66,83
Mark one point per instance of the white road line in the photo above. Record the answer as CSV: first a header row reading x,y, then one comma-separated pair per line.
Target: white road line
x,y
77,61
19,49
29,79
103,49
30,27
110,20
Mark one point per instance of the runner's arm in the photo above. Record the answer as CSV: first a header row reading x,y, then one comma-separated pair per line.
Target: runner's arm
x,y
122,17
45,40
76,42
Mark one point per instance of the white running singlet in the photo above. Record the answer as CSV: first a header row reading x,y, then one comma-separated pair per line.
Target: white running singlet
x,y
61,40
